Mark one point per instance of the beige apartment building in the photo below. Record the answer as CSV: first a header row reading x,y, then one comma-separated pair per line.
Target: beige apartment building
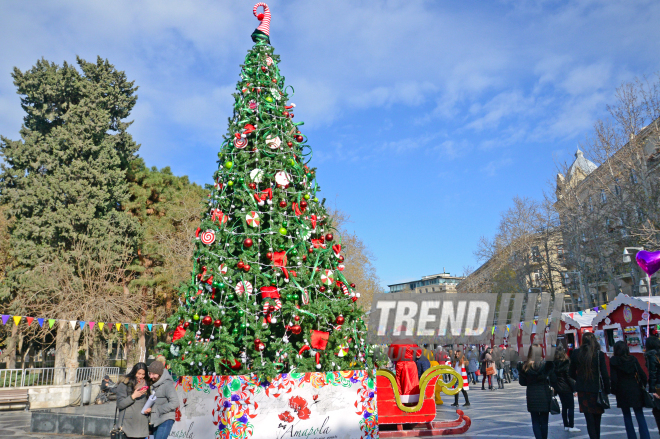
x,y
435,283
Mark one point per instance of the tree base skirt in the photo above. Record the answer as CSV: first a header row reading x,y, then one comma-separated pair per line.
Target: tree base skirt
x,y
314,405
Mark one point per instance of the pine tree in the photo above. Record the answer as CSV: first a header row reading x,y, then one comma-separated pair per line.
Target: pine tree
x,y
267,294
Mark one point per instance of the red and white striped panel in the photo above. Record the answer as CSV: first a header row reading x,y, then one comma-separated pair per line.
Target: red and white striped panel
x,y
466,381
265,23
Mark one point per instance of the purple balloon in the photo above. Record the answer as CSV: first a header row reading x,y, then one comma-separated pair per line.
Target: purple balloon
x,y
648,261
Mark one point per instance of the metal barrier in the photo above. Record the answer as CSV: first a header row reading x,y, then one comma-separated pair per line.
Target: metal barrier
x,y
48,376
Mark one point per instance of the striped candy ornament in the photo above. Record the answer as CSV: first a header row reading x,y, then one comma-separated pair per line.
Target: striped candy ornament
x,y
264,18
243,287
240,143
207,237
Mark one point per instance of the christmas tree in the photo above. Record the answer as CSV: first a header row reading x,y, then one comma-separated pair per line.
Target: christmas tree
x,y
267,293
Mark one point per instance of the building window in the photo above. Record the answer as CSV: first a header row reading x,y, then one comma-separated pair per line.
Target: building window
x,y
617,188
560,251
536,254
633,177
603,196
591,205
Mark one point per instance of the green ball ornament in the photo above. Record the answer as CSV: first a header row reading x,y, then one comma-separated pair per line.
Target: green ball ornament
x,y
316,200
234,331
282,231
292,162
241,312
306,197
230,183
281,247
195,317
230,296
243,326
229,165
241,180
294,252
221,285
269,99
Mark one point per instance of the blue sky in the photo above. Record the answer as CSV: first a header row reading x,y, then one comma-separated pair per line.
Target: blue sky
x,y
425,118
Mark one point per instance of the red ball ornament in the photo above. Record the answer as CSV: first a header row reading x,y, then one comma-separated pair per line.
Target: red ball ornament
x,y
217,323
340,320
247,242
185,325
311,249
296,318
304,258
303,204
282,204
289,144
269,255
271,308
252,186
207,320
329,237
257,341
291,115
341,258
264,69
285,113
299,138
212,296
240,265
352,285
274,80
322,288
246,268
354,299
296,329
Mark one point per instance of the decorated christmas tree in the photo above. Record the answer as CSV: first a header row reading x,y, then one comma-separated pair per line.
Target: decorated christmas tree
x,y
267,294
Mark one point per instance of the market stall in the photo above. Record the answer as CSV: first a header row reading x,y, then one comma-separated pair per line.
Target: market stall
x,y
626,318
572,326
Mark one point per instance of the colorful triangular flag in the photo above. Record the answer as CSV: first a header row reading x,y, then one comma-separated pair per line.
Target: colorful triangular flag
x,y
134,326
40,320
126,326
91,326
51,322
149,325
29,320
118,325
73,323
82,324
164,326
142,327
17,320
5,317
101,325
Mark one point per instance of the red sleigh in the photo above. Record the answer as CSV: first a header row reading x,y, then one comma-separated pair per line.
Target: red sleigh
x,y
417,419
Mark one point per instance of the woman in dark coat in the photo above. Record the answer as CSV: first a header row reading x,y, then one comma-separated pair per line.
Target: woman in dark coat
x,y
533,374
564,387
628,382
473,365
652,357
587,374
485,363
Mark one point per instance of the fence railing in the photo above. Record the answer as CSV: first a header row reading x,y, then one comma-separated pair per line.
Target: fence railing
x,y
48,376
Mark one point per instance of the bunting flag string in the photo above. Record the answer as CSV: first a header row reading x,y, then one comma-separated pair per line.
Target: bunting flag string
x,y
81,323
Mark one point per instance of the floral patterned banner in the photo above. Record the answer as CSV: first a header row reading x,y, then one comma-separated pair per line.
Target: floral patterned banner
x,y
317,405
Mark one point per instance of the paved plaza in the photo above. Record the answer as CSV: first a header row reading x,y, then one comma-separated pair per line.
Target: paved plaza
x,y
496,414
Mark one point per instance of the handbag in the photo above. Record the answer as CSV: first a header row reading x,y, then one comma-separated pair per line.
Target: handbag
x,y
554,406
602,400
649,400
118,433
490,370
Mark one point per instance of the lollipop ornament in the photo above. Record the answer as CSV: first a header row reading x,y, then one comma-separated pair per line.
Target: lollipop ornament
x,y
262,33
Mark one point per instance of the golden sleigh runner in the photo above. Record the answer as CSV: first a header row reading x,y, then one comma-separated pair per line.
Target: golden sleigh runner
x,y
418,419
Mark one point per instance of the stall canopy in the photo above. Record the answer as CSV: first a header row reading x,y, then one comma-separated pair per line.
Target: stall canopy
x,y
579,319
640,303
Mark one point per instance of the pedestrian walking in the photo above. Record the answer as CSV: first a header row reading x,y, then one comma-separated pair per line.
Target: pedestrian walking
x,y
652,357
473,364
628,384
487,369
507,364
499,365
132,393
564,387
589,371
533,374
167,401
459,366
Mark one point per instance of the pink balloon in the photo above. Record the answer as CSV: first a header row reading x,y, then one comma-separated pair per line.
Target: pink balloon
x,y
648,261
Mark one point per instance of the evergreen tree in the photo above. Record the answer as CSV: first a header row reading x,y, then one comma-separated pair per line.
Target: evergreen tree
x,y
267,293
65,180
